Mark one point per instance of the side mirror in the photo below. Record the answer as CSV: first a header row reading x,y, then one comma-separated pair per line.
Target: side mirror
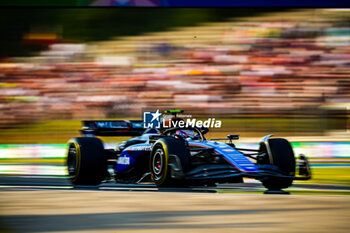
x,y
233,136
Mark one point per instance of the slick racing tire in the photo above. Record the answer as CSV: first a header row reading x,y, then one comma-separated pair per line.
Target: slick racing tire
x,y
86,161
159,161
283,157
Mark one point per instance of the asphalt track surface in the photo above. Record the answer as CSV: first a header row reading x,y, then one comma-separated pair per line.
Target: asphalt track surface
x,y
40,204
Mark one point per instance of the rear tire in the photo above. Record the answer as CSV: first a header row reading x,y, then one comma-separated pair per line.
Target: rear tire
x,y
159,161
86,161
283,157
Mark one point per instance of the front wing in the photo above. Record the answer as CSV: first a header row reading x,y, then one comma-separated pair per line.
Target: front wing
x,y
227,172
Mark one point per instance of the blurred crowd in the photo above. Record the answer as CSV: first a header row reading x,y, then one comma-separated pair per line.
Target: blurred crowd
x,y
257,68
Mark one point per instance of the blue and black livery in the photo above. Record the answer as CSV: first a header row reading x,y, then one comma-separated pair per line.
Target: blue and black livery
x,y
178,157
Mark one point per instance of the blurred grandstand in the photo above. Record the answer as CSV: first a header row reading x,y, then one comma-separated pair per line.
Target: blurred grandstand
x,y
290,65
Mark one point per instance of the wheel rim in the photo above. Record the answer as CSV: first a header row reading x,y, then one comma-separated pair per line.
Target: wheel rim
x,y
157,163
72,161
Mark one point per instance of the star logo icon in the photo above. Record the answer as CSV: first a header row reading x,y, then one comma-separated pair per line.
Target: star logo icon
x,y
155,115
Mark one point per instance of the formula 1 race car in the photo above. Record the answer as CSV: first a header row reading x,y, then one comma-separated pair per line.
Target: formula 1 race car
x,y
173,157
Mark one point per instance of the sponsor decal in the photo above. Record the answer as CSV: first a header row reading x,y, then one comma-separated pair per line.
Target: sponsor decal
x,y
140,148
110,124
228,150
124,160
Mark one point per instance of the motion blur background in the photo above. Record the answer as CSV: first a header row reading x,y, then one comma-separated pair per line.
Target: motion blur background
x,y
261,71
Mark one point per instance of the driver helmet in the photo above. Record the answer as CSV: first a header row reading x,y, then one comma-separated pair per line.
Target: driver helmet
x,y
185,133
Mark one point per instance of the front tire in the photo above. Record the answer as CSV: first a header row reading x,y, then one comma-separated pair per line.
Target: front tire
x,y
283,158
159,161
86,161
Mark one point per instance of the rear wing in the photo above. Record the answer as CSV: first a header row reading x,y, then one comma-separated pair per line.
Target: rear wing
x,y
112,128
